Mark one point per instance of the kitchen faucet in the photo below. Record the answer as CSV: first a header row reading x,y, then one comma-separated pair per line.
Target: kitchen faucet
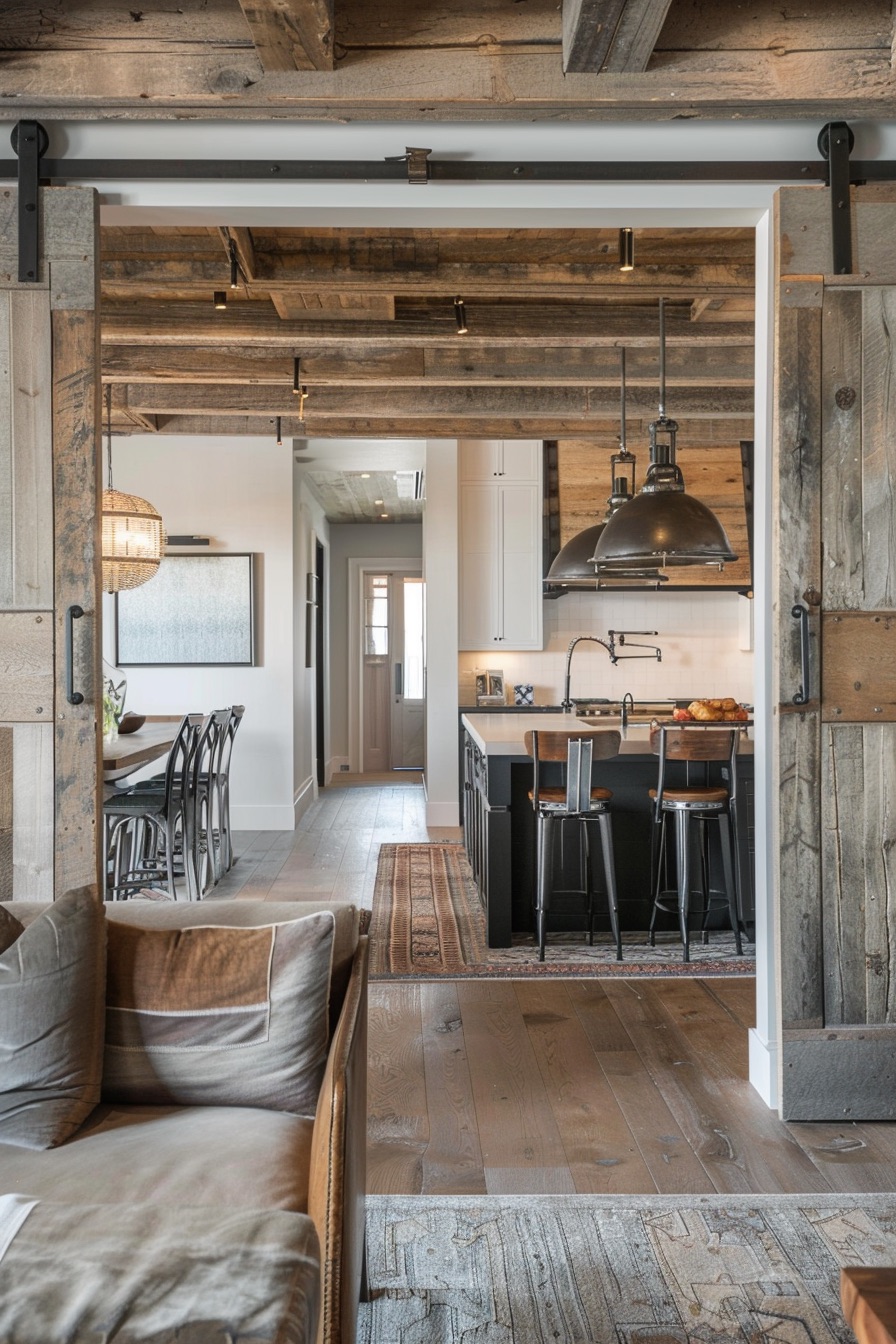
x,y
566,703
628,703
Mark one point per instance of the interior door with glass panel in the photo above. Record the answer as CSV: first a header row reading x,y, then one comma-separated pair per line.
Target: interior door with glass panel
x,y
408,672
393,675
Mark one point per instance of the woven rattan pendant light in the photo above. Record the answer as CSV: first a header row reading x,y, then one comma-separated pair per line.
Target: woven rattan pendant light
x,y
133,535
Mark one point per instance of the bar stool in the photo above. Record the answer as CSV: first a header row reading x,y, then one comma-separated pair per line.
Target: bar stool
x,y
698,802
579,801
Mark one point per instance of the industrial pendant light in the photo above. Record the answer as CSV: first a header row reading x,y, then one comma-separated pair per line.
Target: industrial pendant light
x,y
573,565
662,526
133,535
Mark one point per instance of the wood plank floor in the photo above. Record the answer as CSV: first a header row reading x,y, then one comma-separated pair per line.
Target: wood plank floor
x,y
530,1086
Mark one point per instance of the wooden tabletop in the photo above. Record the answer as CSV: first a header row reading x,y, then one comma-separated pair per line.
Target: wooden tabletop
x,y
869,1303
131,750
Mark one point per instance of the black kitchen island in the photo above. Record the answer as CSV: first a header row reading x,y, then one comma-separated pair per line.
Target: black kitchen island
x,y
499,825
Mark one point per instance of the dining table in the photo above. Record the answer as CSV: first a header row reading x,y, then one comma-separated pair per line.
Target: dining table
x,y
127,752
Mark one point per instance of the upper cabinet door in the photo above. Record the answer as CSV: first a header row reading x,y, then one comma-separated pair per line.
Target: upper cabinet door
x,y
500,459
49,571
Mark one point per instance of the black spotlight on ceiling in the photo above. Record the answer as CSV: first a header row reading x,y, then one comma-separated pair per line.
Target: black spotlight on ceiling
x,y
573,565
460,317
220,298
298,387
662,525
279,429
234,265
626,250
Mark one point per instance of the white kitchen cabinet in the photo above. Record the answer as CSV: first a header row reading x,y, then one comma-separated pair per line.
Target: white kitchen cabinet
x,y
501,548
500,459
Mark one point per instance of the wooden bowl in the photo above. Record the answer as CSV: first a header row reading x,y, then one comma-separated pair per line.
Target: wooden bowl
x,y
131,722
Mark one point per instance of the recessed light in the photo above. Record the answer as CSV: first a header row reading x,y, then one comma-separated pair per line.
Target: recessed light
x,y
377,501
365,475
384,515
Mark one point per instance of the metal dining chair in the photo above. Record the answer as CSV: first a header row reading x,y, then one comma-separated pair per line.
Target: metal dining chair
x,y
146,827
223,846
579,801
693,803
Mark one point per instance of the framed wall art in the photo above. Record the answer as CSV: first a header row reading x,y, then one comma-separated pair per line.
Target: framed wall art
x,y
198,610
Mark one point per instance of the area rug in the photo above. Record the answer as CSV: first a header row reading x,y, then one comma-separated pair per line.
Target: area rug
x,y
611,1269
427,921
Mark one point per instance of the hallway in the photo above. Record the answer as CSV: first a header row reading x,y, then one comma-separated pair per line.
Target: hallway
x,y
532,1086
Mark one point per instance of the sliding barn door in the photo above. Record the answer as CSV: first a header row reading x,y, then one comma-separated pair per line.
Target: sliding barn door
x,y
49,369
835,446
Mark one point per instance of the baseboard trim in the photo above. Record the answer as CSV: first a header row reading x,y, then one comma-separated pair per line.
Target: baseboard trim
x,y
305,796
442,814
275,817
334,766
764,1067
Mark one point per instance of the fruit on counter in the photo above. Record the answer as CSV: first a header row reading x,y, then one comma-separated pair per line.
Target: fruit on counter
x,y
724,710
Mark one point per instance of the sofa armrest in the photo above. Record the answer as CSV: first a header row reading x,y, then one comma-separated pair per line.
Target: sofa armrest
x,y
337,1180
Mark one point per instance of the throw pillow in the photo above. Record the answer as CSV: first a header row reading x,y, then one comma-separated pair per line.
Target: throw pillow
x,y
52,984
10,928
213,1015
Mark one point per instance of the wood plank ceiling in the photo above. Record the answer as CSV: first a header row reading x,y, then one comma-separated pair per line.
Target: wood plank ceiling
x,y
447,59
370,315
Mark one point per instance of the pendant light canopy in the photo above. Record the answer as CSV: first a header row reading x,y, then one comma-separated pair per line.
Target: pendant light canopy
x,y
573,565
133,535
663,525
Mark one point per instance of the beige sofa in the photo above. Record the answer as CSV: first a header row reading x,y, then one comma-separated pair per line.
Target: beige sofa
x,y
160,1141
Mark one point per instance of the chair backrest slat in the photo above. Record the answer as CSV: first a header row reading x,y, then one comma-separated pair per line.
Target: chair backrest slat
x,y
578,748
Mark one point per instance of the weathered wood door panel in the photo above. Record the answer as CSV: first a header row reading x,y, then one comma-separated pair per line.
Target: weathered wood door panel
x,y
835,447
49,493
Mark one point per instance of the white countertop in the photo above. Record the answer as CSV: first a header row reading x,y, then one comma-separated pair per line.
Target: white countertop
x,y
502,734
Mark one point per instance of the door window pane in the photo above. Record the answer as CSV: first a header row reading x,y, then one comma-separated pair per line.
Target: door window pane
x,y
413,638
376,615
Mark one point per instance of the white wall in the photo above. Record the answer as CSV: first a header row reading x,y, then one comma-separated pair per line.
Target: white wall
x,y
440,572
238,492
699,634
352,541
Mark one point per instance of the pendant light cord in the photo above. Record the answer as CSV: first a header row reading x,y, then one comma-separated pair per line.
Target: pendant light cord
x,y
662,359
109,432
622,447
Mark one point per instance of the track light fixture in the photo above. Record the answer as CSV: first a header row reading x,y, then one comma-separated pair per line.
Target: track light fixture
x,y
234,265
460,316
220,298
626,250
298,387
278,423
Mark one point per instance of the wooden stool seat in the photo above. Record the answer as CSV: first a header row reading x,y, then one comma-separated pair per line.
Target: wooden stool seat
x,y
697,797
557,795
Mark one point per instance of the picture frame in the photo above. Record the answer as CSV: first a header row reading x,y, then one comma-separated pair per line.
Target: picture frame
x,y
481,685
198,610
495,683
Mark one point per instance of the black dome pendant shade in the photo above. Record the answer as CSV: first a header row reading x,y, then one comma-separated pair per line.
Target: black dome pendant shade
x,y
573,566
663,525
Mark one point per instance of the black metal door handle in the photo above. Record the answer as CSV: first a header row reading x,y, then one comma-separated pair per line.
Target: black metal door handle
x,y
399,681
801,614
72,696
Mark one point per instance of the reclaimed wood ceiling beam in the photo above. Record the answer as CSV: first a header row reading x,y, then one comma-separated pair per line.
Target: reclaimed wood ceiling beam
x,y
291,34
568,325
693,433
706,366
611,35
452,404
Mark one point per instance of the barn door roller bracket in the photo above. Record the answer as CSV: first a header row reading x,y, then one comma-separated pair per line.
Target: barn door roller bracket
x,y
801,614
835,143
417,161
30,141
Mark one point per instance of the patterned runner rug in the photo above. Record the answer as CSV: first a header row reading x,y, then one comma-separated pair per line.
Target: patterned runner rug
x,y
427,921
648,1269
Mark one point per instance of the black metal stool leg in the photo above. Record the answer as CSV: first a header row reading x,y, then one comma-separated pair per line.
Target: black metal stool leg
x,y
605,822
657,855
586,879
728,869
682,837
545,852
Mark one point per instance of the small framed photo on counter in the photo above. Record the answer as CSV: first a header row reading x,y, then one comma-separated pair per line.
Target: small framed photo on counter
x,y
495,685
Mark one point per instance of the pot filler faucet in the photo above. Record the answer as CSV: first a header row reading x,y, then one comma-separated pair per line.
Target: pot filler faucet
x,y
615,638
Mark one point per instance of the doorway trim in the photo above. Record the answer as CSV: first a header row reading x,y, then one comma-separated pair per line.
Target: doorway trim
x,y
358,566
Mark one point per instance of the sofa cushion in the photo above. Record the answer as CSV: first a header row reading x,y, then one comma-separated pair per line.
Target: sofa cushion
x,y
52,982
142,1273
218,1016
193,1155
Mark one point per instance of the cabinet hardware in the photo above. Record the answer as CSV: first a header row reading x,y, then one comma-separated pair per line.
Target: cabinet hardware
x,y
801,614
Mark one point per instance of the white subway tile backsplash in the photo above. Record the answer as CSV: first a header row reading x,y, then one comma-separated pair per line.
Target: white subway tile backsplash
x,y
700,636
